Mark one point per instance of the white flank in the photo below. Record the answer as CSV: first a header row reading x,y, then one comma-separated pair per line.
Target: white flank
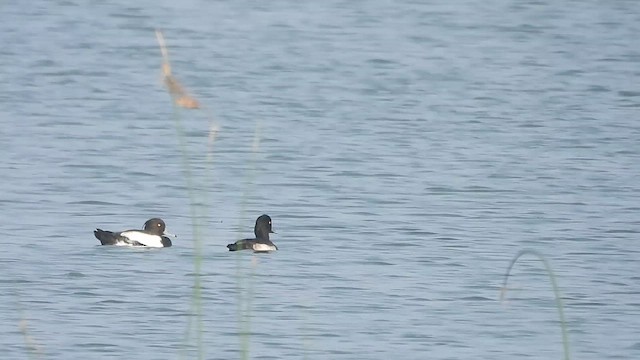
x,y
144,239
263,247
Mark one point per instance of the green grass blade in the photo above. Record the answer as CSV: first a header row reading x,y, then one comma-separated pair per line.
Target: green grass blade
x,y
556,293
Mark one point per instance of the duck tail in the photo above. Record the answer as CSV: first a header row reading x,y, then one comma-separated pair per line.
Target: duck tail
x,y
232,247
105,237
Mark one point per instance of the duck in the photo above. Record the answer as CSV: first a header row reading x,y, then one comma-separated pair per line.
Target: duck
x,y
152,235
261,242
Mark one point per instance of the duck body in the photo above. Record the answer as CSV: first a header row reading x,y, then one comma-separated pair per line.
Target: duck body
x,y
257,245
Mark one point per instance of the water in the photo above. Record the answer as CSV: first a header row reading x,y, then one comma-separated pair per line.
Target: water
x,y
407,151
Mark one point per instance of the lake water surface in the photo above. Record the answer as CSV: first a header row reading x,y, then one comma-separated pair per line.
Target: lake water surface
x,y
407,151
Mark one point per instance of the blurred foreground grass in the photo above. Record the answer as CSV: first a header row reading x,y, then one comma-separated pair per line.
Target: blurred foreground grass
x,y
554,286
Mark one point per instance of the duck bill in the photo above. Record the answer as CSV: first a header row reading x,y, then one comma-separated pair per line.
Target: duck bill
x,y
166,233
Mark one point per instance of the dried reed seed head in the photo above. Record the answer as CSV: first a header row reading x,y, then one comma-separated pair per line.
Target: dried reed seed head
x,y
188,102
166,69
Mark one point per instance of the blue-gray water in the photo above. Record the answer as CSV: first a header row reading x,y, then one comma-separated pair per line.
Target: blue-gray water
x,y
407,151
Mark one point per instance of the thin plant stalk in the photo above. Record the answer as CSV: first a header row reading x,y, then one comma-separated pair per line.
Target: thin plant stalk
x,y
244,300
180,98
556,293
197,289
34,350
